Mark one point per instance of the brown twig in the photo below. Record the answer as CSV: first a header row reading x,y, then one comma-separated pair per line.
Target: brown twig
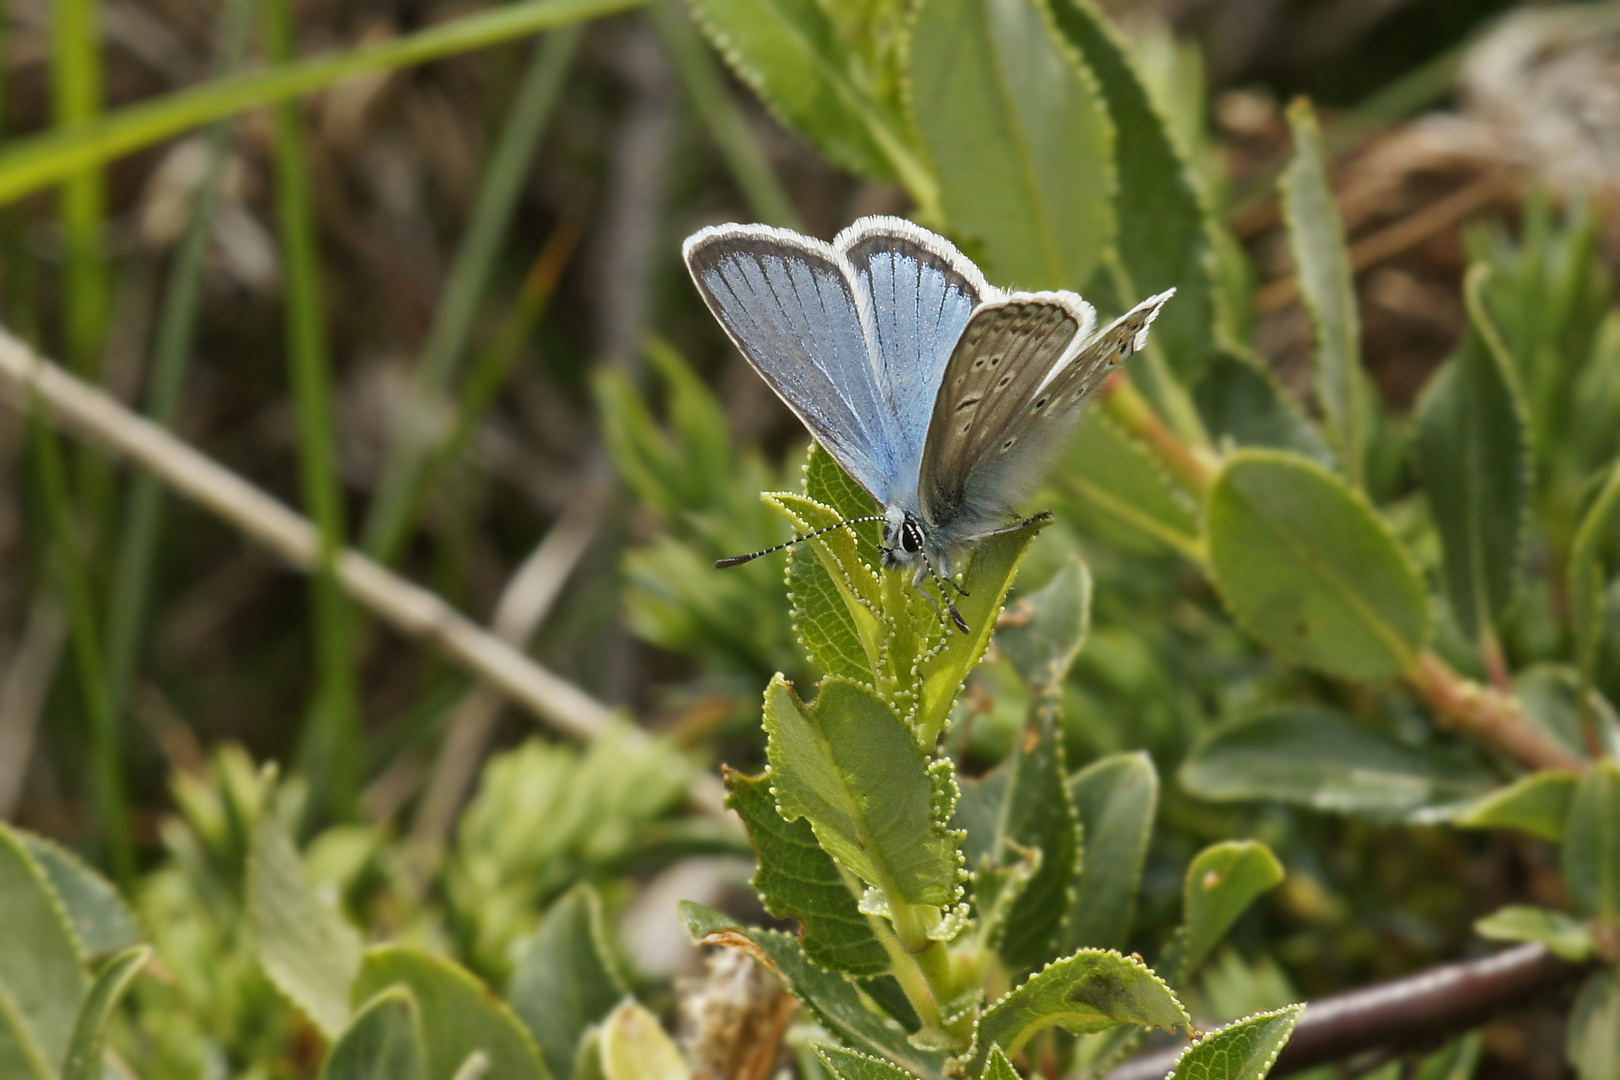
x,y
1488,715
1416,1011
27,381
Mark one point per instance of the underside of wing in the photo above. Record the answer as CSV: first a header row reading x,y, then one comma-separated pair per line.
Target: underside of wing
x,y
921,292
1112,346
789,305
1010,455
990,409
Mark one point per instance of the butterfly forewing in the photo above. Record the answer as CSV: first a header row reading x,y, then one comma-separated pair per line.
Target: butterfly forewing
x,y
790,307
991,385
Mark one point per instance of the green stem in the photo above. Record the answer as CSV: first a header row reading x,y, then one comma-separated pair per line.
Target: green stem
x,y
1125,404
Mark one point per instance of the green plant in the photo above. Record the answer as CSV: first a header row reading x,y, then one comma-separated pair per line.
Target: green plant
x,y
1347,636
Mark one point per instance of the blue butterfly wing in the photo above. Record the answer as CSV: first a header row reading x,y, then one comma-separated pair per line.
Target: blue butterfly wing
x,y
789,305
920,292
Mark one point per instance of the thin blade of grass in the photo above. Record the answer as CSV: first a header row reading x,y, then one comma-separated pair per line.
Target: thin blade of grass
x,y
107,781
490,373
330,741
389,520
32,164
715,103
143,515
76,89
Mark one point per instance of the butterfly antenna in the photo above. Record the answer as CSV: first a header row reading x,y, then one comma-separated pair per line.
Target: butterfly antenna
x,y
738,560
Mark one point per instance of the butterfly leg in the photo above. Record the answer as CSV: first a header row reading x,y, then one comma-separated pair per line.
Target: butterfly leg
x,y
925,571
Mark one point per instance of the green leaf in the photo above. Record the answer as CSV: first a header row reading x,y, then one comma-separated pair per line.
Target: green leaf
x,y
997,1067
1592,842
84,1061
791,54
1240,401
100,918
1316,238
459,1016
1093,990
1473,450
798,880
872,626
42,979
1036,816
853,770
1019,137
1044,630
1586,582
1551,696
1223,880
1131,499
1567,937
1537,804
383,1043
564,981
944,667
1116,798
1320,757
307,949
1166,234
35,163
831,997
1244,1050
634,1047
836,595
1594,1027
1306,565
848,1065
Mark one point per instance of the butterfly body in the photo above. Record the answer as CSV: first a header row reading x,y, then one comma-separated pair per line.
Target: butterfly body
x,y
945,398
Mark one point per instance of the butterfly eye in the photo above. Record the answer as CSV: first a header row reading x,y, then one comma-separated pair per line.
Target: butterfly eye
x,y
911,540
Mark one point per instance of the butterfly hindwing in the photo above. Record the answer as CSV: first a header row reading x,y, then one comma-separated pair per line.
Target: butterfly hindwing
x,y
980,418
980,471
1112,346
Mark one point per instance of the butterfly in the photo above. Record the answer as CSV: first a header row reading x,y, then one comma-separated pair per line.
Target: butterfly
x,y
946,398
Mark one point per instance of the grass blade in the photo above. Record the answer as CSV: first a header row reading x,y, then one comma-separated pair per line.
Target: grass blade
x,y
107,781
143,516
390,516
749,166
329,745
32,164
76,87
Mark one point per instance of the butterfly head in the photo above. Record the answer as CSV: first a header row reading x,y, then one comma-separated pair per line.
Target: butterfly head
x,y
903,538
